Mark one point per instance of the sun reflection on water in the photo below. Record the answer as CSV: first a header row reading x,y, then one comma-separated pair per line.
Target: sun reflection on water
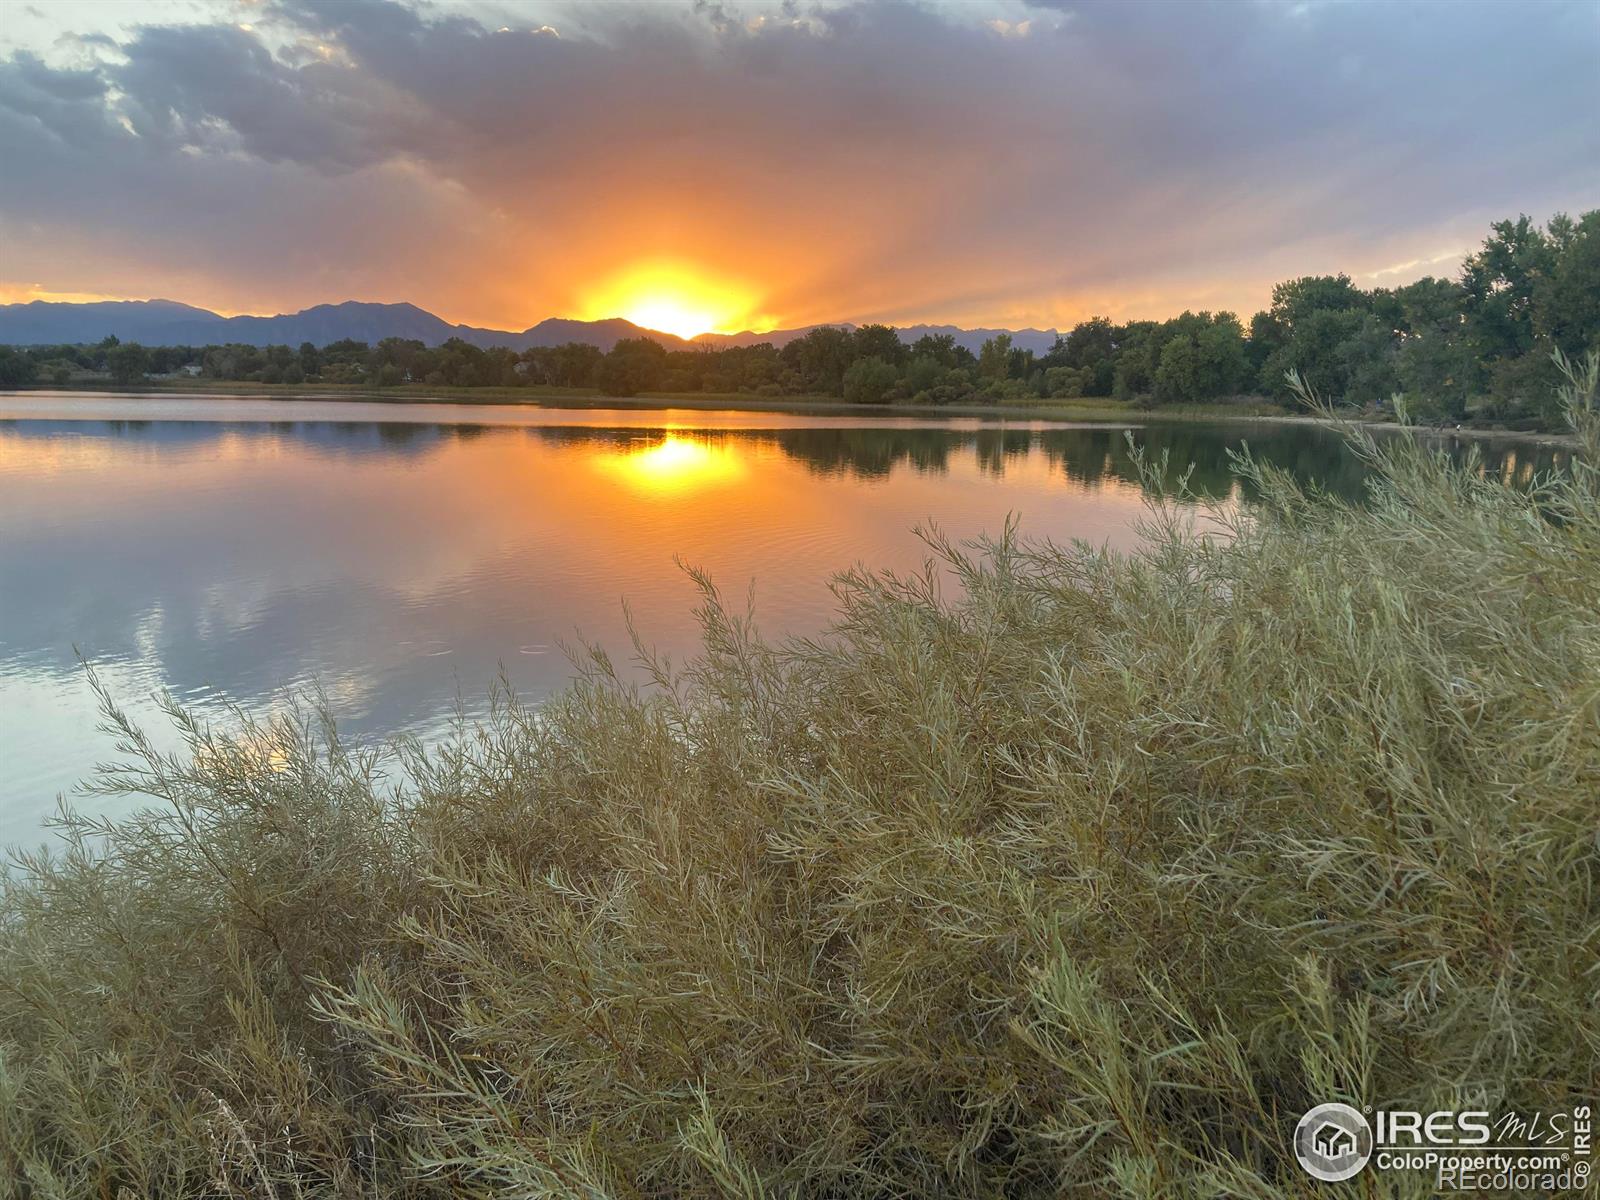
x,y
675,464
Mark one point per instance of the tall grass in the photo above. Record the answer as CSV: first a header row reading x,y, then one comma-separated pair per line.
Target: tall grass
x,y
1092,873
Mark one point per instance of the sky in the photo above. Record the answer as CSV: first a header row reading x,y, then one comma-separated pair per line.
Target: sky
x,y
761,165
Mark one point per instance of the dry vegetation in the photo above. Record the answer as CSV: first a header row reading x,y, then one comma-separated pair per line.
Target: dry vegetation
x,y
1092,874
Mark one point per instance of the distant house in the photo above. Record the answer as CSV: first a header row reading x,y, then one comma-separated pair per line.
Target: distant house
x,y
187,371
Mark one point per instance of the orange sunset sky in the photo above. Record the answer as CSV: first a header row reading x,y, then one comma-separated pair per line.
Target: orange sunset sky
x,y
722,166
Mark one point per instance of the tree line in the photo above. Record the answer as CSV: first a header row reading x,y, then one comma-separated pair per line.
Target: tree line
x,y
1476,346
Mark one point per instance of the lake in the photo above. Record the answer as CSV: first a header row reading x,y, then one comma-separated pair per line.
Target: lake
x,y
399,557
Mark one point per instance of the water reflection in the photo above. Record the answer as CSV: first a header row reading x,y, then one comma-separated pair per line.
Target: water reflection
x,y
397,563
658,463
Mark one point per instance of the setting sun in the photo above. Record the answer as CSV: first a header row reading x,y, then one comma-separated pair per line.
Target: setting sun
x,y
676,298
670,315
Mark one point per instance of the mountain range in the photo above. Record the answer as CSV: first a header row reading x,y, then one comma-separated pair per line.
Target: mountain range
x,y
167,322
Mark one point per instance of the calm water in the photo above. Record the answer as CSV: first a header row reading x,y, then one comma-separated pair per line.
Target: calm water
x,y
236,550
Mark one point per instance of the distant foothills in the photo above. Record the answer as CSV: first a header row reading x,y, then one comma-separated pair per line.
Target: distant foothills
x,y
169,323
1481,347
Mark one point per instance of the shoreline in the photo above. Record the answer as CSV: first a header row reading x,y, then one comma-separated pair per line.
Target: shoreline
x,y
1090,410
1479,433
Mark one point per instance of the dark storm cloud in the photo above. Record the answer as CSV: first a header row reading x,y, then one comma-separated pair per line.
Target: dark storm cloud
x,y
868,160
220,88
69,105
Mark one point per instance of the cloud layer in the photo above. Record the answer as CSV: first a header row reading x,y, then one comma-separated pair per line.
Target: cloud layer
x,y
875,161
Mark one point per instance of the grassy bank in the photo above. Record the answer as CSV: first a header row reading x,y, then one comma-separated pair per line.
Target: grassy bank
x,y
1091,875
1086,409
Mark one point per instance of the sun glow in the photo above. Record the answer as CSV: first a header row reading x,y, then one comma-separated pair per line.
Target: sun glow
x,y
676,298
23,293
674,464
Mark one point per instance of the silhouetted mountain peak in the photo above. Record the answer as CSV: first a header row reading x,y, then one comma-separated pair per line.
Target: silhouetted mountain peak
x,y
173,323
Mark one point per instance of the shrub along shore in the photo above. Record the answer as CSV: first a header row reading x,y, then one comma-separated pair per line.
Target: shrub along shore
x,y
1092,874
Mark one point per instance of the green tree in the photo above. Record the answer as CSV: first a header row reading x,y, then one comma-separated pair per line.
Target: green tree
x,y
1198,357
868,380
1523,389
1267,337
820,359
1177,371
1499,281
1091,345
1065,383
1295,300
1220,364
128,362
1433,363
17,367
572,364
1530,291
1314,349
994,359
1366,361
941,348
1309,320
924,372
1566,300
1137,358
632,366
879,341
1429,305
